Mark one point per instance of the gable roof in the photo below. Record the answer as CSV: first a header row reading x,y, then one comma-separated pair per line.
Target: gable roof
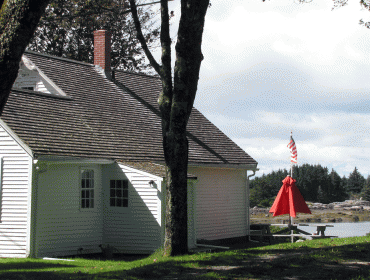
x,y
30,77
99,118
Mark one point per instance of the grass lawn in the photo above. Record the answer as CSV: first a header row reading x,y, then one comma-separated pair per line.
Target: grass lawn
x,y
341,258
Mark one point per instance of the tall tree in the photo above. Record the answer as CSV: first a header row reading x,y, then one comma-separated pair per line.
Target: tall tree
x,y
355,182
176,102
18,21
263,190
321,195
307,181
365,193
66,30
323,183
337,190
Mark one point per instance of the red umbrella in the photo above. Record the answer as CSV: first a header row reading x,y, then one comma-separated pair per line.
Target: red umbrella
x,y
289,200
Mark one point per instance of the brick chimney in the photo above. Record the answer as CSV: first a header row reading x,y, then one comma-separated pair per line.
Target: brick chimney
x,y
102,50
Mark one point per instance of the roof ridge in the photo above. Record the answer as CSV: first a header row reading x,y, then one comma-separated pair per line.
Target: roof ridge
x,y
155,76
59,58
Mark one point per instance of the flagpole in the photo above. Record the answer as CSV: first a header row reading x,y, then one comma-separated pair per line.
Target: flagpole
x,y
291,175
291,222
291,169
291,163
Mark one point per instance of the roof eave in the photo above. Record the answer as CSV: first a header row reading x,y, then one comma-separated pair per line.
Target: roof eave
x,y
12,134
76,160
226,166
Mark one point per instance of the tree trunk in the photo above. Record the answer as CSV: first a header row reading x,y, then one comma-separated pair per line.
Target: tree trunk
x,y
18,21
176,102
175,116
176,233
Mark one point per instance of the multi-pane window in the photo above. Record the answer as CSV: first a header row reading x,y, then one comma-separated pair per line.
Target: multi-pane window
x,y
87,189
118,193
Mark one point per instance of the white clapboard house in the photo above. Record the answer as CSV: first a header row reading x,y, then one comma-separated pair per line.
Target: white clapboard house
x,y
82,163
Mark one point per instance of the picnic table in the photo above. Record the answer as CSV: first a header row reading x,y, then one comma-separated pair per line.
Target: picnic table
x,y
263,231
320,230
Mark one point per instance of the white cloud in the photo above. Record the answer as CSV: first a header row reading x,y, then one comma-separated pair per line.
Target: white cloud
x,y
321,42
273,67
274,155
336,140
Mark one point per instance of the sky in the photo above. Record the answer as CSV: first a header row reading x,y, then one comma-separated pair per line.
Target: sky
x,y
276,67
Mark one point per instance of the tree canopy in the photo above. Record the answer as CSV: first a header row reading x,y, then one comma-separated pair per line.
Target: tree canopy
x,y
66,30
365,193
355,182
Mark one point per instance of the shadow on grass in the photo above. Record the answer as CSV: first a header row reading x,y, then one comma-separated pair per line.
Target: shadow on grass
x,y
25,265
331,262
339,262
30,270
43,275
34,269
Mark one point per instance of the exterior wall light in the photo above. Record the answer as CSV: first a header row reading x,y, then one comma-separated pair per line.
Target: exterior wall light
x,y
151,184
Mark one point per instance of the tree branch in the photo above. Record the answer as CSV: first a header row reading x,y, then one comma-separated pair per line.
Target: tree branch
x,y
83,10
165,39
152,3
165,97
141,39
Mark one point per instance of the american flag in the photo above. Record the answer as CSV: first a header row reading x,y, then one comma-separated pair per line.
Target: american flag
x,y
293,150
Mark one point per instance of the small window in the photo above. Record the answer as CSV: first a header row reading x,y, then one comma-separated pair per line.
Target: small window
x,y
118,193
87,189
29,88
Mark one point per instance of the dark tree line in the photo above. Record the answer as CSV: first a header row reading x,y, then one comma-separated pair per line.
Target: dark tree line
x,y
66,30
315,182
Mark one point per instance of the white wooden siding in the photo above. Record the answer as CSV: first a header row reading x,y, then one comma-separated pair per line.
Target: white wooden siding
x,y
26,78
220,198
62,227
136,228
35,79
15,198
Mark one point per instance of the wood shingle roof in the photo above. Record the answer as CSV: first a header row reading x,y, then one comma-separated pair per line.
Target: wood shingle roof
x,y
100,118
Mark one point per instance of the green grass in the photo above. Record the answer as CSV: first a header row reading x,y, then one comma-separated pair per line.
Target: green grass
x,y
341,258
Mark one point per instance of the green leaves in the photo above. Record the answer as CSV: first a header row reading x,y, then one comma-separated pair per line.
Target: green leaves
x,y
67,28
314,182
355,182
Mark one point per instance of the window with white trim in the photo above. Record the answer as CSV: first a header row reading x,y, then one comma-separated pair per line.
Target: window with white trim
x,y
87,188
118,193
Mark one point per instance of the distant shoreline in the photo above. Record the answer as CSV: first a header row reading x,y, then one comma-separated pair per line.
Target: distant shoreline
x,y
337,212
261,215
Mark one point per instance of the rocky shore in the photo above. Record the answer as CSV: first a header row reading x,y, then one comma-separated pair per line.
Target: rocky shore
x,y
335,212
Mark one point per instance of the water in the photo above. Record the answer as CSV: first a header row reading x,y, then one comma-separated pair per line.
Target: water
x,y
342,229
